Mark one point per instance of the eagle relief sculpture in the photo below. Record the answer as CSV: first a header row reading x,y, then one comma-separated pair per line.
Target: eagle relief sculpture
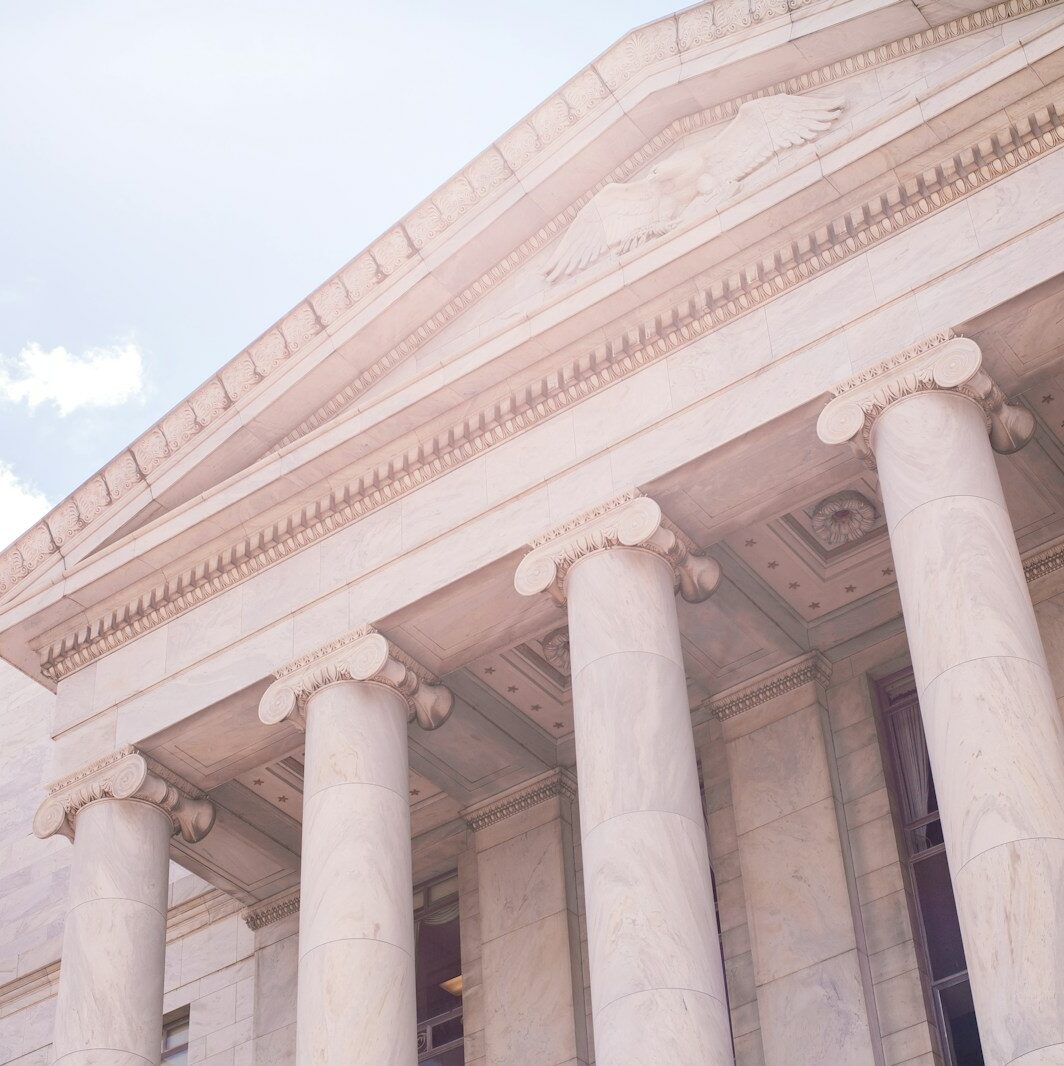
x,y
689,183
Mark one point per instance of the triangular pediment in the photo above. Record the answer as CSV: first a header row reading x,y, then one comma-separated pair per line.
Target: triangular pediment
x,y
651,174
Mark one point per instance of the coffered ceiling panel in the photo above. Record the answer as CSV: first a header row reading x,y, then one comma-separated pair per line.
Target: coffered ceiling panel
x,y
823,555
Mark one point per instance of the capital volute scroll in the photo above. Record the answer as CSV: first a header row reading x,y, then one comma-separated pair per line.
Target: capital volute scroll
x,y
942,362
125,774
630,520
361,655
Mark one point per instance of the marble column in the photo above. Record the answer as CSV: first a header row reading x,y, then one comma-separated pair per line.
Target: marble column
x,y
120,813
929,419
657,982
355,1002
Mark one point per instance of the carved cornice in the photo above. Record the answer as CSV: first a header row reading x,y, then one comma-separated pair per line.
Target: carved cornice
x,y
629,520
272,910
942,363
809,669
664,330
671,135
361,655
521,798
125,774
362,280
1043,563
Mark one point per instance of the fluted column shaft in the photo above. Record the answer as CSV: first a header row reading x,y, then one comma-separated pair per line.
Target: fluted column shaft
x,y
657,984
994,731
110,1004
356,1004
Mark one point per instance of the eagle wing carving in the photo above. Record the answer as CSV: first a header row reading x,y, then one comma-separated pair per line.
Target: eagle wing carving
x,y
621,216
763,127
617,217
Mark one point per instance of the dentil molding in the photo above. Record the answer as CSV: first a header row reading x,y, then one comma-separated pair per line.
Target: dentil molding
x,y
522,797
665,330
805,670
675,133
630,520
361,281
1043,563
125,774
361,655
941,362
272,910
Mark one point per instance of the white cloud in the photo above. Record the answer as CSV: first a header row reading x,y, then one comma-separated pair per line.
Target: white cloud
x,y
20,505
99,377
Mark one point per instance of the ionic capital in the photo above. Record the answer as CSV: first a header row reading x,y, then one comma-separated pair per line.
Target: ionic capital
x,y
942,362
125,774
361,655
630,520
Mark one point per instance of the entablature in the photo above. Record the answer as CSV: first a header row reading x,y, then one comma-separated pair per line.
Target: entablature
x,y
231,420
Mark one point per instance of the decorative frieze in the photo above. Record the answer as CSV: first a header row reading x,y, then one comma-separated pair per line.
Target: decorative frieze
x,y
807,670
942,362
359,281
741,293
1044,563
629,520
125,774
673,134
272,910
361,655
523,797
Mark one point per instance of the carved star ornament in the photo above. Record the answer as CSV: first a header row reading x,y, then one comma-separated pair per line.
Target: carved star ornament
x,y
690,182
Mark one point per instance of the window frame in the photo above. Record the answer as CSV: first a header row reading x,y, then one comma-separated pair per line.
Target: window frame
x,y
173,1020
892,693
429,896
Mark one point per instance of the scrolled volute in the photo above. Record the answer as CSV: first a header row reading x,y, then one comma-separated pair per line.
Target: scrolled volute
x,y
629,520
361,655
942,362
126,774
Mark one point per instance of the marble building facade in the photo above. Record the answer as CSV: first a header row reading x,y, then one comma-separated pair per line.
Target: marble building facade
x,y
618,618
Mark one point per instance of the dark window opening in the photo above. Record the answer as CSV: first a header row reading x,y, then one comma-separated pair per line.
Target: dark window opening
x,y
916,804
438,973
175,1039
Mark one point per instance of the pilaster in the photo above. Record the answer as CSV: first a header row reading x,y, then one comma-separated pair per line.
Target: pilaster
x,y
806,943
531,942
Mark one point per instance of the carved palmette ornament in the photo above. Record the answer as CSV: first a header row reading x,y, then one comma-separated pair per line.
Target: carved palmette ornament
x,y
126,774
629,520
941,362
362,655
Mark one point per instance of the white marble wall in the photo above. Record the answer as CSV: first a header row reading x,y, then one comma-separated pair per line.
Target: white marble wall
x,y
731,898
33,873
804,947
532,965
213,972
893,965
1048,598
276,981
472,968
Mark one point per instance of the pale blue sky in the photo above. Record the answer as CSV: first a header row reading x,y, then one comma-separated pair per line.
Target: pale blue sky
x,y
175,176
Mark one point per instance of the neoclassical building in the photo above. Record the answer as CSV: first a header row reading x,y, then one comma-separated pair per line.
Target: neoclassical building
x,y
614,619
